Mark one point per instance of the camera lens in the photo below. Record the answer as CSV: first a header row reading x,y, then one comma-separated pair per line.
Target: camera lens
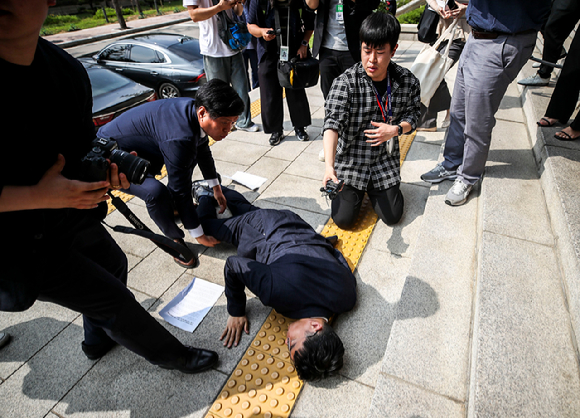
x,y
135,168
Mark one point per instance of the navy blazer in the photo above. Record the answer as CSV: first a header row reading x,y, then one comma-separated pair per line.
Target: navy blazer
x,y
290,267
167,132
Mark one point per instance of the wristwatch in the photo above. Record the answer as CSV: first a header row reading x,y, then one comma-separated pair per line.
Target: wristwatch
x,y
304,43
400,130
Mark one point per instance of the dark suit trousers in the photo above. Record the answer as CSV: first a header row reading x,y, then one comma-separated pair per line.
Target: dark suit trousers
x,y
224,229
563,17
159,205
271,99
90,277
565,95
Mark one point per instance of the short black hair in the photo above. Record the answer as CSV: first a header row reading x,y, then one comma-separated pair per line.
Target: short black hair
x,y
320,356
219,99
380,28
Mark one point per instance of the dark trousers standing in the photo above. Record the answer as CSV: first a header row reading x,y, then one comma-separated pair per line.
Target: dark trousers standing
x,y
441,99
251,57
563,17
565,95
90,277
271,99
388,205
332,64
223,229
158,199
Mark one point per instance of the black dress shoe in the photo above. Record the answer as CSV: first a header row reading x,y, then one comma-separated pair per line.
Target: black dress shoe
x,y
96,351
197,360
276,138
301,134
4,339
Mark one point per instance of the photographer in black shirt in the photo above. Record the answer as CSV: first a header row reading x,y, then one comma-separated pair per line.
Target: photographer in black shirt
x,y
55,248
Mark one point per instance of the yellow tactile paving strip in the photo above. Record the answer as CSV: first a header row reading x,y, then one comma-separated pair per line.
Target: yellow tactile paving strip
x,y
264,383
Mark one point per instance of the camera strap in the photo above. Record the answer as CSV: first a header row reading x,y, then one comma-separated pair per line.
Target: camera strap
x,y
166,244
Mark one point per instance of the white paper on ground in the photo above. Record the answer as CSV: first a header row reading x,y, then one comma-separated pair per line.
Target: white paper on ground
x,y
249,180
192,304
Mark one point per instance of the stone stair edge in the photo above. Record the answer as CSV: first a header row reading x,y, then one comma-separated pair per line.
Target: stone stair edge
x,y
567,248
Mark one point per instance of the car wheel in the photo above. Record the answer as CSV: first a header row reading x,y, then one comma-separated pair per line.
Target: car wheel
x,y
168,91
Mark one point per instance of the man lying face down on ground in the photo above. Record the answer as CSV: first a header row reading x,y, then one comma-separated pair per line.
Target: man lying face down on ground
x,y
291,268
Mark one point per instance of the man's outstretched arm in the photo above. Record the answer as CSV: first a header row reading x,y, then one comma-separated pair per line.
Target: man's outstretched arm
x,y
241,272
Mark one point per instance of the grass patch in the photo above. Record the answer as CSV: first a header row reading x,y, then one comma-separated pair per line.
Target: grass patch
x,y
65,23
412,17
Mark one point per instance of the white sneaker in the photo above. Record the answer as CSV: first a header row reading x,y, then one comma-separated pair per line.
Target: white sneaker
x,y
534,80
250,128
458,193
321,155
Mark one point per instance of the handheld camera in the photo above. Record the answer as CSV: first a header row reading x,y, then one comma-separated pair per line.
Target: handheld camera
x,y
95,164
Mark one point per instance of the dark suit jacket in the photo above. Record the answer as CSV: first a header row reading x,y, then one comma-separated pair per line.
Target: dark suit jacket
x,y
354,14
167,132
290,267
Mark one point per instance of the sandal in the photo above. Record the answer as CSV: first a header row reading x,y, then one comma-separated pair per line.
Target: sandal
x,y
546,123
566,137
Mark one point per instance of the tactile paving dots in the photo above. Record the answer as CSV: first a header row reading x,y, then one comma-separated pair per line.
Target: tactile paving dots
x,y
265,383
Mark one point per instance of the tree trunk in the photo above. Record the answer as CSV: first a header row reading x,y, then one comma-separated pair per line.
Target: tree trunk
x,y
119,13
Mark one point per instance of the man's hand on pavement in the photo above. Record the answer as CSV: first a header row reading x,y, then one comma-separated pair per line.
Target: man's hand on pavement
x,y
233,331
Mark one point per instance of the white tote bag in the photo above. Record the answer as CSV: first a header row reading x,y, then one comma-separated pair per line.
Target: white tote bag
x,y
430,66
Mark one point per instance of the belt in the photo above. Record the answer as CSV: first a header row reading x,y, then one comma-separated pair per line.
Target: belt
x,y
482,34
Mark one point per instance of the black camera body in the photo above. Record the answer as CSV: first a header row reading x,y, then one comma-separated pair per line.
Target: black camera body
x,y
332,189
274,32
95,164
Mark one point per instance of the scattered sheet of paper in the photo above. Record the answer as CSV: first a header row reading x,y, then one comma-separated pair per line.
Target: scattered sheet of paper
x,y
192,304
249,180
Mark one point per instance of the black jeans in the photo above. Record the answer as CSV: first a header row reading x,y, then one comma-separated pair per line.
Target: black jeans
x,y
388,205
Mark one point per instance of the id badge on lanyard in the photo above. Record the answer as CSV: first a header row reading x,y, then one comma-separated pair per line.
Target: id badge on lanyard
x,y
387,113
340,12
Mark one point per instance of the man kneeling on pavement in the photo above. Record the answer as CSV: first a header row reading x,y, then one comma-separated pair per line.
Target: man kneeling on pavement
x,y
368,108
291,268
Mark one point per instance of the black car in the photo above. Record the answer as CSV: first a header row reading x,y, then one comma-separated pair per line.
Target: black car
x,y
113,94
169,63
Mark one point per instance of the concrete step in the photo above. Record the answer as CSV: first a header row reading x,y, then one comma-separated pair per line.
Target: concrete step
x,y
482,327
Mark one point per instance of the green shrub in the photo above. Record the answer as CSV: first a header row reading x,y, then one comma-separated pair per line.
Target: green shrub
x,y
72,27
46,32
60,20
412,17
111,13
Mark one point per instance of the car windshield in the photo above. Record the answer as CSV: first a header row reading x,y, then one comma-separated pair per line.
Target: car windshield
x,y
103,81
188,50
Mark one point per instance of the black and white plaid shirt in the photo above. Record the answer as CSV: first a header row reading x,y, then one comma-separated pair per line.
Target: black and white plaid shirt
x,y
350,107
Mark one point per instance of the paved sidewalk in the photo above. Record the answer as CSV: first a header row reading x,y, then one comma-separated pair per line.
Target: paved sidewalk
x,y
461,311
